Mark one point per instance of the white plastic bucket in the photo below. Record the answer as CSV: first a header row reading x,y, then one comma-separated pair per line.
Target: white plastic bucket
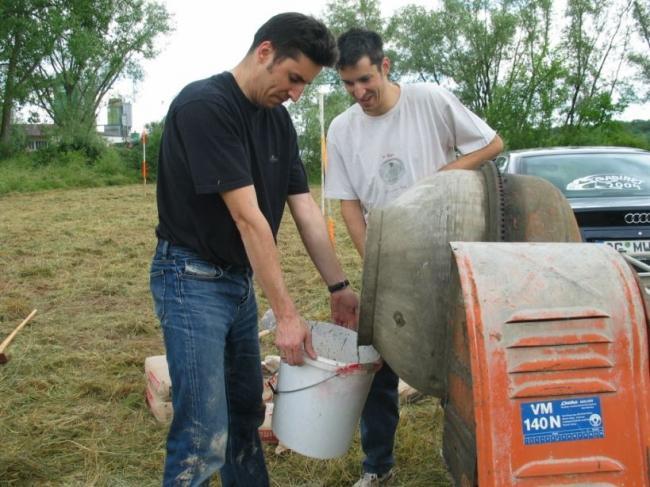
x,y
318,405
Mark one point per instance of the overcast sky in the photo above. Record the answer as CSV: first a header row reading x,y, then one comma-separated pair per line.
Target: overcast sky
x,y
212,36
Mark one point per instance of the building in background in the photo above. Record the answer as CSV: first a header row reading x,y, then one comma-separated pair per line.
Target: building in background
x,y
119,120
37,135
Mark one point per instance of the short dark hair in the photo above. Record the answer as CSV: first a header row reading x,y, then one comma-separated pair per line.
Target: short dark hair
x,y
357,43
293,33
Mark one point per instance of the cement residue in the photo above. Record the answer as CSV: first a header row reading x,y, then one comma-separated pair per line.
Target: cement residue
x,y
218,444
339,344
194,465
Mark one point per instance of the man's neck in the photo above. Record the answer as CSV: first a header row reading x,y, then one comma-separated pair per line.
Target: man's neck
x,y
244,77
392,93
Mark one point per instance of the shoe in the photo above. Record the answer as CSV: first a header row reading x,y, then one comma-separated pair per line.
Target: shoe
x,y
374,480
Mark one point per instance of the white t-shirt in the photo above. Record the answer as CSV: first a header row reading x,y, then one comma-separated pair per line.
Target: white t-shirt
x,y
375,159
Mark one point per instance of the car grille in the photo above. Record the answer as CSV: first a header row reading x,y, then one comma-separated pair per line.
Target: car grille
x,y
629,218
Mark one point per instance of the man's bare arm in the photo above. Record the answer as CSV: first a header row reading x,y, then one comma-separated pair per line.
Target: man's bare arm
x,y
355,222
313,232
292,333
474,159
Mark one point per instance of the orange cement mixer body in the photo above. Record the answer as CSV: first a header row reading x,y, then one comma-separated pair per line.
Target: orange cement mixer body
x,y
548,382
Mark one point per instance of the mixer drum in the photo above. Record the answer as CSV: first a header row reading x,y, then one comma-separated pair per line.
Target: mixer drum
x,y
409,298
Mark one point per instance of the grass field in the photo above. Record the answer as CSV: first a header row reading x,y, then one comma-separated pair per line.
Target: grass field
x,y
72,409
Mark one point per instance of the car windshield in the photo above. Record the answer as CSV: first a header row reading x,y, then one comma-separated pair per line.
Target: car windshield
x,y
583,175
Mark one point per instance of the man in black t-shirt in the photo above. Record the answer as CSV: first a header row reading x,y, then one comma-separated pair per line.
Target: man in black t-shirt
x,y
228,163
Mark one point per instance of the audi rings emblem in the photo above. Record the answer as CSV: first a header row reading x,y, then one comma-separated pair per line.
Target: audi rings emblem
x,y
637,218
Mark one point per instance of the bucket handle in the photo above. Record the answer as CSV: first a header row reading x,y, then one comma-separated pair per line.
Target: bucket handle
x,y
275,391
345,370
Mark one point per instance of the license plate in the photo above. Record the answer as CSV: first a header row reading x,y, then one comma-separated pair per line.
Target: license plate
x,y
633,246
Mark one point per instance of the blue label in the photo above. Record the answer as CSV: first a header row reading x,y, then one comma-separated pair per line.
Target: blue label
x,y
562,420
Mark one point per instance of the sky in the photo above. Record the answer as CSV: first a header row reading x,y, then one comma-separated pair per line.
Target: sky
x,y
209,38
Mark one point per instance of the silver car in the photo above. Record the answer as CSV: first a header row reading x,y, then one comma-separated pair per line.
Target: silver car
x,y
608,189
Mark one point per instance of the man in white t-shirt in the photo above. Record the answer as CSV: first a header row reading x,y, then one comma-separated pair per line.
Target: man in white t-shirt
x,y
392,137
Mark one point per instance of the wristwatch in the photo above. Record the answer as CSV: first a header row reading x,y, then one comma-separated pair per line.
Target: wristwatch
x,y
338,286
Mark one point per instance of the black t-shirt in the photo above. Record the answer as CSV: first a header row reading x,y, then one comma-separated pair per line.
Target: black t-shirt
x,y
216,140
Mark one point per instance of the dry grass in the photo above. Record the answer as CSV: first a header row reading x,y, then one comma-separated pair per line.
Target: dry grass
x,y
72,410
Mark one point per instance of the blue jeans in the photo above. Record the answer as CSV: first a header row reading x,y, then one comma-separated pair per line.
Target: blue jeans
x,y
209,320
379,422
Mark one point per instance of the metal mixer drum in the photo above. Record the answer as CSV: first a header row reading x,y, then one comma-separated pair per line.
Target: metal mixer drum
x,y
409,294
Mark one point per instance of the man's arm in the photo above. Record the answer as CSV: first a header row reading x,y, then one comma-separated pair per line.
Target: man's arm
x,y
353,216
472,160
313,232
292,333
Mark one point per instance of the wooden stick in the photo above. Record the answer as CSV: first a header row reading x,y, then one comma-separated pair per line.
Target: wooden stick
x,y
263,333
11,336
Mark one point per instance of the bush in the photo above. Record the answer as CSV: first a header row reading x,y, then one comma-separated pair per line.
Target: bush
x,y
50,154
90,145
155,130
51,168
90,149
132,153
114,169
77,160
17,143
110,163
611,133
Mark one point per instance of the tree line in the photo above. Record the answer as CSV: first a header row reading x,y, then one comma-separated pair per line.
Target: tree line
x,y
540,72
64,56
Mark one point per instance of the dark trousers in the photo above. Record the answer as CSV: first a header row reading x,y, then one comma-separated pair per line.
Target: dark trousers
x,y
379,422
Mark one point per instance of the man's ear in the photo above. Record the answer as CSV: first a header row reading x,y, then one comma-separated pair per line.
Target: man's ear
x,y
264,52
385,66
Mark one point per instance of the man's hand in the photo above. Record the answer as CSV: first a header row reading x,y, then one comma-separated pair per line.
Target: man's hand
x,y
292,338
344,305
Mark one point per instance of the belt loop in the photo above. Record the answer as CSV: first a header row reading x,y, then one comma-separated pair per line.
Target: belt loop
x,y
164,248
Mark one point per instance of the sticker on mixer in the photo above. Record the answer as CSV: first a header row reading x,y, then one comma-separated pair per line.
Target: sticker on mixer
x,y
562,420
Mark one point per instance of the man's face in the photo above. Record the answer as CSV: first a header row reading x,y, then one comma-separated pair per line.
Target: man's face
x,y
367,83
284,79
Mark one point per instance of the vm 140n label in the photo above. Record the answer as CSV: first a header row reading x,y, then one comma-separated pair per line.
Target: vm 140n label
x,y
562,420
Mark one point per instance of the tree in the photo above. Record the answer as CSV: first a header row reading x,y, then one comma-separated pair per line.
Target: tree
x,y
418,35
96,42
306,116
502,59
339,16
483,41
505,60
25,39
526,99
593,37
641,13
495,55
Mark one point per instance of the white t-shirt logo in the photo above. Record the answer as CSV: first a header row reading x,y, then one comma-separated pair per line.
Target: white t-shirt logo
x,y
392,170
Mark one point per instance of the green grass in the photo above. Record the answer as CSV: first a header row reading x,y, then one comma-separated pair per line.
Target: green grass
x,y
73,410
27,173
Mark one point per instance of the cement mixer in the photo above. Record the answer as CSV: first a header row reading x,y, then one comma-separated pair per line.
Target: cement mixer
x,y
407,294
538,351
